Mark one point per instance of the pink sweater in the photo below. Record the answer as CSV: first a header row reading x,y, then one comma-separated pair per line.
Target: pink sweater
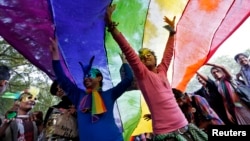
x,y
155,87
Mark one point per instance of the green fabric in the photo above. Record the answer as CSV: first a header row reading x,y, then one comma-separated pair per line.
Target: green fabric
x,y
197,134
131,16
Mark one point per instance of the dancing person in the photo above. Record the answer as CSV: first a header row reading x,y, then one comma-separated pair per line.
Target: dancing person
x,y
94,106
20,123
169,123
237,111
210,92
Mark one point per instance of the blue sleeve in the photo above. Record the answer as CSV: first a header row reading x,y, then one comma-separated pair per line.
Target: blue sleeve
x,y
126,82
71,89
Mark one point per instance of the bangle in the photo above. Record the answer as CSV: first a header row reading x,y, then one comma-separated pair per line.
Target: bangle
x,y
170,29
111,26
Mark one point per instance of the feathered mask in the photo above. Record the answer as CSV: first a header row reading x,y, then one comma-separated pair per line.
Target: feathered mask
x,y
34,91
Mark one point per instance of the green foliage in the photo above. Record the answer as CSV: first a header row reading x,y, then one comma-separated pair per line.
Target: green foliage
x,y
23,75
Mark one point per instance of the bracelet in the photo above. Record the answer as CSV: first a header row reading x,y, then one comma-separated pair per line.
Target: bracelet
x,y
170,29
111,26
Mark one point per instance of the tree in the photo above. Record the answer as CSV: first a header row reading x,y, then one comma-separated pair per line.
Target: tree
x,y
228,62
23,75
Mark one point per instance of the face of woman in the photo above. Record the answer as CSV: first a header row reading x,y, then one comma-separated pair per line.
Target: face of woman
x,y
217,73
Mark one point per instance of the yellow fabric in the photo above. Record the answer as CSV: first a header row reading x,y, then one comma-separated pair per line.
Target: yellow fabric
x,y
98,106
155,36
143,126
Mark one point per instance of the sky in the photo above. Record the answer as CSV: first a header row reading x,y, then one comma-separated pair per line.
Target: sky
x,y
238,42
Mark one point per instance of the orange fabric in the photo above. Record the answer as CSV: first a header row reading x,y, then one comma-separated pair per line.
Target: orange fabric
x,y
203,27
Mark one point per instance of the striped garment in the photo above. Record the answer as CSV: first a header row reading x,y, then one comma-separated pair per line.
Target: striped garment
x,y
204,109
196,133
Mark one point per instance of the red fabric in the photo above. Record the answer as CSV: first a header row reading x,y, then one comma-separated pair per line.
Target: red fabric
x,y
236,15
203,27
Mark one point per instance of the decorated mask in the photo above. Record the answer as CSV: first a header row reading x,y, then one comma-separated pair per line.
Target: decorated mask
x,y
92,73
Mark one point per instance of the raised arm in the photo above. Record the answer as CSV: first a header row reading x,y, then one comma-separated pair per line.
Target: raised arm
x,y
126,80
66,84
202,76
227,73
109,23
131,56
169,49
54,49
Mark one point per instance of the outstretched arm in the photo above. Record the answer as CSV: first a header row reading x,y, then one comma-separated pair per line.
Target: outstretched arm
x,y
126,81
227,73
54,49
169,49
66,84
131,56
109,23
202,76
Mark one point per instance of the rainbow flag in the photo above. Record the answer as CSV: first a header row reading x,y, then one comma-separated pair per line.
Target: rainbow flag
x,y
80,28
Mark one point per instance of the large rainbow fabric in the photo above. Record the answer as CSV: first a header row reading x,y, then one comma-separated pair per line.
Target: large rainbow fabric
x,y
80,28
203,27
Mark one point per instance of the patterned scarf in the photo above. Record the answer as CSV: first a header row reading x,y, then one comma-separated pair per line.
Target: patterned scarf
x,y
93,102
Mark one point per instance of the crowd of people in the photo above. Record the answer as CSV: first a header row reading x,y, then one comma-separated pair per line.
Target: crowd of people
x,y
87,115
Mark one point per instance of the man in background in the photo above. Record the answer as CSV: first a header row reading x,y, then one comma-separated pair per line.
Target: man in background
x,y
4,78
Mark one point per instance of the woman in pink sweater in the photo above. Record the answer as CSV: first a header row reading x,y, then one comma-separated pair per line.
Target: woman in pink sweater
x,y
169,123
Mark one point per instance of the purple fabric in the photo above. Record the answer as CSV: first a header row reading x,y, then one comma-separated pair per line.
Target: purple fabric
x,y
27,26
80,30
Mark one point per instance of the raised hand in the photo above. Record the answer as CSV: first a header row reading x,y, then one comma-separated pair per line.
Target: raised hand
x,y
147,117
169,22
171,25
54,49
109,12
108,19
